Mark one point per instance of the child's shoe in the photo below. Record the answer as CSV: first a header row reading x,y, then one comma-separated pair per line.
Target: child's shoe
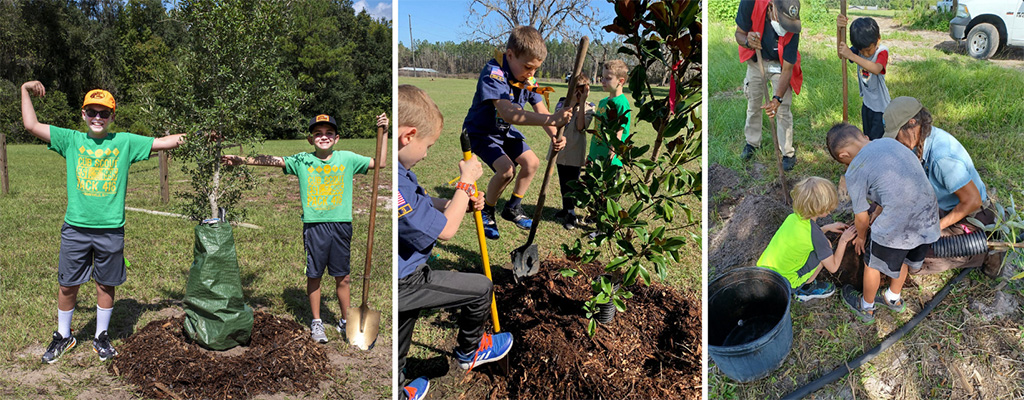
x,y
342,325
492,348
101,346
896,306
517,216
490,226
58,346
815,290
317,333
852,299
417,389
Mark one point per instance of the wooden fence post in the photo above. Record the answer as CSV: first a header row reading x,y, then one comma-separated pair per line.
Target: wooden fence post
x,y
5,185
165,189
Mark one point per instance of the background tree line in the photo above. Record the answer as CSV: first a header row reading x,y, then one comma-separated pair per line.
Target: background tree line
x,y
326,58
468,58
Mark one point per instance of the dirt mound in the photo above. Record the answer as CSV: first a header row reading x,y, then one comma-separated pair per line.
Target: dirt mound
x,y
652,350
721,179
161,360
747,232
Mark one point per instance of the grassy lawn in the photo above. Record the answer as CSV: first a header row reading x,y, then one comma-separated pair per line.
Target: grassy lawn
x,y
966,97
454,96
159,248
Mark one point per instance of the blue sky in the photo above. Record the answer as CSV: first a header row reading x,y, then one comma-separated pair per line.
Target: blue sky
x,y
376,8
445,20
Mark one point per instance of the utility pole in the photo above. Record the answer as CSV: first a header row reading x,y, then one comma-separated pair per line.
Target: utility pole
x,y
412,46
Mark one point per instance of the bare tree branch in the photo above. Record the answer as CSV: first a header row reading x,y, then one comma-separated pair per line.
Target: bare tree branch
x,y
565,19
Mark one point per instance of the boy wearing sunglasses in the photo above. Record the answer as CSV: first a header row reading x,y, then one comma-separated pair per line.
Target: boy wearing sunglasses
x,y
92,238
325,190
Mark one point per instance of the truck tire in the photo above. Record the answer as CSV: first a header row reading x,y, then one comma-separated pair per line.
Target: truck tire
x,y
982,41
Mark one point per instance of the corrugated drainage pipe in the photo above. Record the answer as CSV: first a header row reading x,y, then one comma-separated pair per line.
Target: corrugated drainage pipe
x,y
893,337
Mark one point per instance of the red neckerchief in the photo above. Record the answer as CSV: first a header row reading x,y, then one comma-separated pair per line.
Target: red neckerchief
x,y
760,9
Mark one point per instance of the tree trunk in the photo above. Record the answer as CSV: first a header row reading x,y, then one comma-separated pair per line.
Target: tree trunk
x,y
215,191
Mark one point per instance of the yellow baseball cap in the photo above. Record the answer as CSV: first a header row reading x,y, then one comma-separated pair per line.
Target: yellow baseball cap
x,y
101,97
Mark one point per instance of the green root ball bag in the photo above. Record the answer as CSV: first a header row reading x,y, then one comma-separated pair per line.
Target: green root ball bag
x,y
216,315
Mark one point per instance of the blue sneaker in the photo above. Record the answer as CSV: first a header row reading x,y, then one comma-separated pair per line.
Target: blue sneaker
x,y
417,389
492,348
517,216
815,290
490,226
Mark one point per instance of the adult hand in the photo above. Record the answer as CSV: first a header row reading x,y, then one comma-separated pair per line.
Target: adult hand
x,y
835,227
470,170
34,88
771,108
754,40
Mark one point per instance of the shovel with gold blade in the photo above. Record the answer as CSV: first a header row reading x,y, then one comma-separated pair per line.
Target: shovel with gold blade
x,y
364,322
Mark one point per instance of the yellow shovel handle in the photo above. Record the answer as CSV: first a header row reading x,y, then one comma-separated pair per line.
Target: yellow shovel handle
x,y
466,155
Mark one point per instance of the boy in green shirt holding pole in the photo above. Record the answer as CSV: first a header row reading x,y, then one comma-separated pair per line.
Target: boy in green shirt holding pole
x,y
325,189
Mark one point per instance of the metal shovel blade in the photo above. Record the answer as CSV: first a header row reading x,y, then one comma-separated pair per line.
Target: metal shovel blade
x,y
525,261
363,325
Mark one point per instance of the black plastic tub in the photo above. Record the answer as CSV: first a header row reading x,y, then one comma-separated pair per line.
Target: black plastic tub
x,y
750,331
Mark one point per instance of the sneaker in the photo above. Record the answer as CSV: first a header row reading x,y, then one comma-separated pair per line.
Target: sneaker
x,y
417,389
568,219
317,332
748,152
101,346
58,346
788,163
341,326
492,348
490,226
852,299
517,216
815,290
896,306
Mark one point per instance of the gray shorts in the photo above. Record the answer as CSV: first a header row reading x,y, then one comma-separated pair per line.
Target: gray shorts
x,y
91,253
889,261
327,247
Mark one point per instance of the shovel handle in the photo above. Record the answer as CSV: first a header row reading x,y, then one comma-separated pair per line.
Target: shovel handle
x,y
841,38
467,153
373,210
581,55
775,136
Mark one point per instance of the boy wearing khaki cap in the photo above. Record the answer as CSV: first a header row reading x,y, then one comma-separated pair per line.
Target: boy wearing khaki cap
x,y
92,238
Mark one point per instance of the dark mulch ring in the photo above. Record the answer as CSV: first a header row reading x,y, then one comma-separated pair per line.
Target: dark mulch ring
x,y
161,360
653,350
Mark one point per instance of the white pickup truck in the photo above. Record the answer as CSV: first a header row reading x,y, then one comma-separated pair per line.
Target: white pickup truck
x,y
990,25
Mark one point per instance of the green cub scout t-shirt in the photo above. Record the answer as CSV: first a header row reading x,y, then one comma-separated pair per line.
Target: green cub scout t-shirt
x,y
617,107
97,174
325,187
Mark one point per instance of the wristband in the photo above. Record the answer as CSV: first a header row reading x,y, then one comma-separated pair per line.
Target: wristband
x,y
777,98
466,187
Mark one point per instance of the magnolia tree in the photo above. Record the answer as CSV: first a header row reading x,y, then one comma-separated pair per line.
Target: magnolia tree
x,y
638,210
226,89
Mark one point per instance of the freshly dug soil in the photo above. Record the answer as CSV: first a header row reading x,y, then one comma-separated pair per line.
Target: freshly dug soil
x,y
746,234
164,363
653,350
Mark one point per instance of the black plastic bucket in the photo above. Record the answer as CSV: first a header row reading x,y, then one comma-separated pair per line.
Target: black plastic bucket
x,y
750,331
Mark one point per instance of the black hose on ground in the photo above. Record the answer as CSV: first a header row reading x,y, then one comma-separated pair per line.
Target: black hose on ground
x,y
961,245
893,337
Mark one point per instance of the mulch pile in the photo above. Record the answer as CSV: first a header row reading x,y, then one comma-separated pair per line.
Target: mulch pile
x,y
653,350
161,360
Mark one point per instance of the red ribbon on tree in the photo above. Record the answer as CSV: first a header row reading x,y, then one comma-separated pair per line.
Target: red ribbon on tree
x,y
672,89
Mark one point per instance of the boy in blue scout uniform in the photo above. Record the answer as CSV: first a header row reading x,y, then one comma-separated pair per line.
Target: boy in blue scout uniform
x,y
92,238
423,220
505,85
325,191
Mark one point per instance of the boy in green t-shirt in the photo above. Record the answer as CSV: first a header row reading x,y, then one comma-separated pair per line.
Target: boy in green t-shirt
x,y
325,189
799,249
92,238
613,113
